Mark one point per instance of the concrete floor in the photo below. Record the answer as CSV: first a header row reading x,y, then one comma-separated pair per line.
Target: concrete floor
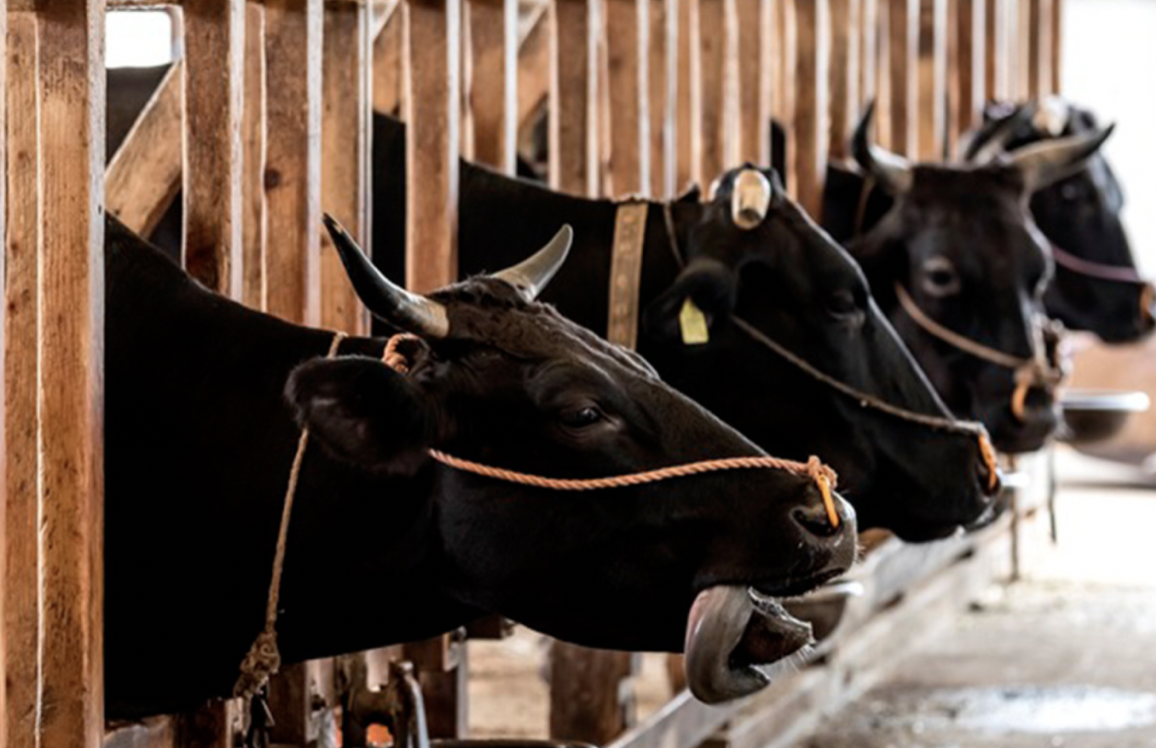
x,y
1066,657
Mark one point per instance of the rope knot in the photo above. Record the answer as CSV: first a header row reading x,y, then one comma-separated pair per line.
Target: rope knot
x,y
394,358
262,661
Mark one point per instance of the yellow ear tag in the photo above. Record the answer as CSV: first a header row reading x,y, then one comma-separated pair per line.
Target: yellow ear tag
x,y
692,322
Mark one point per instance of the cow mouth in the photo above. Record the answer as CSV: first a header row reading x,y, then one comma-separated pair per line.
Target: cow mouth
x,y
734,632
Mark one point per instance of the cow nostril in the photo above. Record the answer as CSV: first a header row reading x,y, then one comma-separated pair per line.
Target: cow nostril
x,y
814,520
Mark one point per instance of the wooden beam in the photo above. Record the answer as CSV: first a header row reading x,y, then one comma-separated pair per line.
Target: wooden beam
x,y
627,38
387,67
71,352
346,131
902,43
573,146
293,158
717,128
663,94
995,57
588,701
844,75
214,82
1056,47
812,21
785,87
1040,39
491,83
754,80
966,85
144,176
19,691
931,80
254,226
688,109
533,71
868,52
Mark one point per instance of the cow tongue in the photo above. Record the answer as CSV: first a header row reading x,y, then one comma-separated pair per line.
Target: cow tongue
x,y
729,634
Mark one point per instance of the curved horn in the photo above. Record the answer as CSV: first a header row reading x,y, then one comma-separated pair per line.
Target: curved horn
x,y
889,169
383,298
1049,161
750,199
996,143
532,274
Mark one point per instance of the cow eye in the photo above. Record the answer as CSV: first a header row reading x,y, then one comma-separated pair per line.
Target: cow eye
x,y
844,306
939,277
580,418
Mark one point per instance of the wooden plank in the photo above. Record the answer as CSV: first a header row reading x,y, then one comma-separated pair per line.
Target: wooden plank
x,y
785,88
441,665
844,75
627,38
293,158
966,81
145,174
1040,40
754,80
1021,47
432,44
254,227
810,112
346,131
573,146
868,52
214,82
588,698
663,95
491,83
931,80
1056,47
18,532
533,72
70,345
883,73
994,57
387,67
715,131
902,43
689,101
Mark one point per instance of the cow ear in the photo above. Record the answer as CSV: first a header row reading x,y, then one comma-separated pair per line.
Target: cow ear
x,y
687,311
363,412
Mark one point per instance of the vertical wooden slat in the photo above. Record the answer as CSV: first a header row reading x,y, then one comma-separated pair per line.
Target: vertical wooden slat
x,y
868,51
1041,38
754,73
627,37
902,42
785,87
491,82
966,81
387,68
588,701
293,157
663,95
994,63
70,344
1056,47
214,82
811,59
844,75
253,234
573,123
883,96
21,599
1021,47
716,43
688,119
346,128
930,76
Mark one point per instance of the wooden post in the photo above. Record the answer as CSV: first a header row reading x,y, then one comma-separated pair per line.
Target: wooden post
x,y
663,95
346,129
1040,40
253,233
589,698
534,71
754,81
844,75
627,39
1057,38
387,66
214,79
784,87
868,52
70,394
931,73
293,157
491,83
902,42
810,113
688,117
20,603
718,131
573,123
995,67
966,73
1021,48
441,665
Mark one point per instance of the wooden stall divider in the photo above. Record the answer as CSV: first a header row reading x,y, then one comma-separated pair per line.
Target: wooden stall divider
x,y
293,31
490,83
387,67
965,69
1040,40
812,21
214,78
663,95
717,114
994,66
784,87
573,120
346,135
844,76
883,73
254,227
931,80
1056,46
626,34
19,641
868,52
689,104
533,70
754,81
71,358
590,695
902,43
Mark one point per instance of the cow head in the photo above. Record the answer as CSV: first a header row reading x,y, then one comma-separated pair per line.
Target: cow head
x,y
753,257
958,250
498,378
1080,216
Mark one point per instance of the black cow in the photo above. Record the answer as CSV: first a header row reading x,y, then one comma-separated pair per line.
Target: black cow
x,y
786,277
1096,286
958,251
200,438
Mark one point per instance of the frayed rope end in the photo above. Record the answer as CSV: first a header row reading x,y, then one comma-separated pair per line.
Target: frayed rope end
x,y
262,661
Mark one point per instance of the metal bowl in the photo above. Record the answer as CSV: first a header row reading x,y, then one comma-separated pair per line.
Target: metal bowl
x,y
1095,415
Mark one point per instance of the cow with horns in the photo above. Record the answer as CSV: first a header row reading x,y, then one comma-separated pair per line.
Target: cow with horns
x,y
960,268
395,506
